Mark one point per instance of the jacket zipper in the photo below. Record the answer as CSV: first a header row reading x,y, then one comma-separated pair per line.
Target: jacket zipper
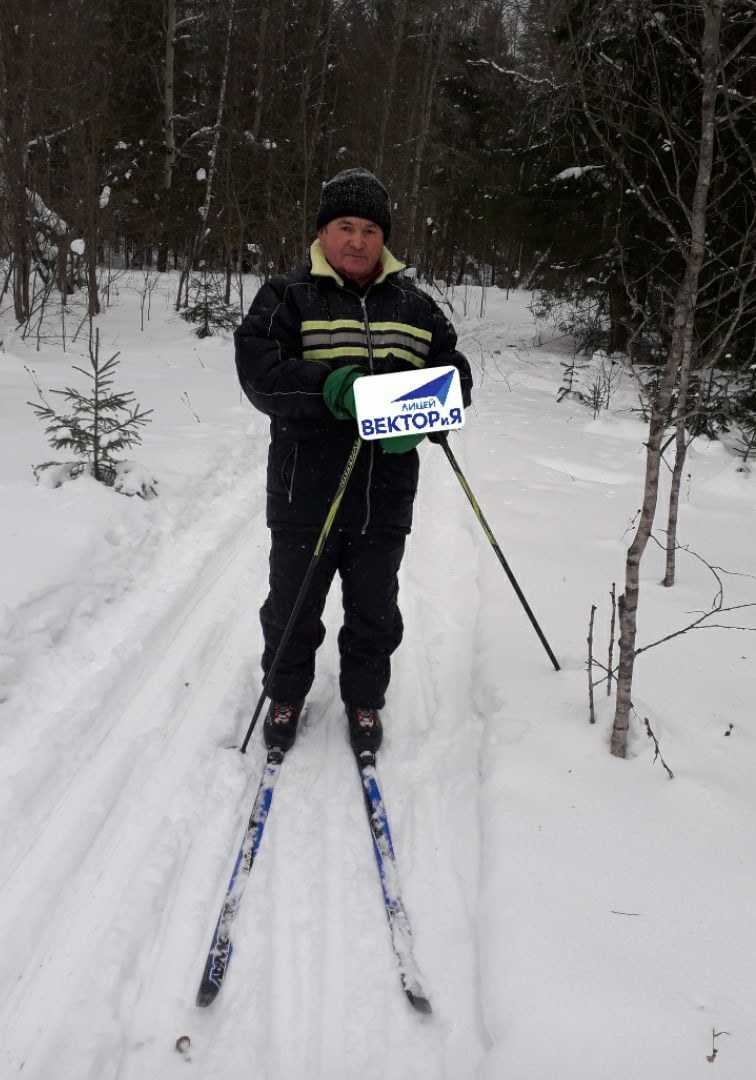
x,y
366,321
369,340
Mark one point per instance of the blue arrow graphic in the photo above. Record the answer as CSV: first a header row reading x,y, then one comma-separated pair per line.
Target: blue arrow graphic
x,y
438,388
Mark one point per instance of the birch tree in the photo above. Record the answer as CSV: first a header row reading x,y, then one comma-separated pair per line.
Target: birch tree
x,y
677,200
200,237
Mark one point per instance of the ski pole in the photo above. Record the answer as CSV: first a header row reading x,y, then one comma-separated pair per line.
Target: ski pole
x,y
443,440
318,551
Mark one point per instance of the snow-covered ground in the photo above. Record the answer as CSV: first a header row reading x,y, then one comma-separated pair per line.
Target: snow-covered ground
x,y
575,917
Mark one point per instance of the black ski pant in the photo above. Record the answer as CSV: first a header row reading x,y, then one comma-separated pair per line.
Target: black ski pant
x,y
372,628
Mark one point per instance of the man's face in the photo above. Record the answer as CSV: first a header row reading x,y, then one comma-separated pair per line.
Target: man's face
x,y
352,246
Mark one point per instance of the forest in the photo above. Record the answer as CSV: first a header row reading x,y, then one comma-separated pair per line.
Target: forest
x,y
575,147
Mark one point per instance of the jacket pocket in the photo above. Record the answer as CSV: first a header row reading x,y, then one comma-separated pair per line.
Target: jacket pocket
x,y
288,469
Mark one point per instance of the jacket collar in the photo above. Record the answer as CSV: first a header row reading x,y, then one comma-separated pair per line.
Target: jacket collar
x,y
322,268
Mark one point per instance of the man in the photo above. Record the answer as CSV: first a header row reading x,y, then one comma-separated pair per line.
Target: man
x,y
309,334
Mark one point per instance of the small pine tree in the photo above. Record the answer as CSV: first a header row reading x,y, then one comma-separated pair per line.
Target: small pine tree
x,y
98,426
209,310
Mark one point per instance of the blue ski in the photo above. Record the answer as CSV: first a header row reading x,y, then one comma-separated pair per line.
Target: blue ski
x,y
399,924
221,946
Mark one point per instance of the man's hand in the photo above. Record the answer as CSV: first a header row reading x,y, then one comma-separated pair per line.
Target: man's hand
x,y
338,391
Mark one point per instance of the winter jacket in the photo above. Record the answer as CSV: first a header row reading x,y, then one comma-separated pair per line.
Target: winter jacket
x,y
300,327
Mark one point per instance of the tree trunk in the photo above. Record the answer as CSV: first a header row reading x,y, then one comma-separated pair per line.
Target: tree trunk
x,y
260,88
436,51
16,50
200,237
392,77
310,111
678,357
681,453
205,208
169,158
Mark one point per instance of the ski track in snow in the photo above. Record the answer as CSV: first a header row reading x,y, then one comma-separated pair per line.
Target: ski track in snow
x,y
147,728
138,876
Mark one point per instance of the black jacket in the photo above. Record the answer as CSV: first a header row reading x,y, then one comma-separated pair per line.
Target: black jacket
x,y
300,327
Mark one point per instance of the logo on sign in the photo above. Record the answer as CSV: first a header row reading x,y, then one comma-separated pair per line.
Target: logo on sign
x,y
422,397
390,405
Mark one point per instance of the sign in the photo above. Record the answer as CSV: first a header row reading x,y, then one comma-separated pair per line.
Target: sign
x,y
418,402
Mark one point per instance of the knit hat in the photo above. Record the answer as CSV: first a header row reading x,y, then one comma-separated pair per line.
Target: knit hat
x,y
355,193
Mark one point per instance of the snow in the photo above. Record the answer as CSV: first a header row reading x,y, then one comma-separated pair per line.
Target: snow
x,y
574,172
574,916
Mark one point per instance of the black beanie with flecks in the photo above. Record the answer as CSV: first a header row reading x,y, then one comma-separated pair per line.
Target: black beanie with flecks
x,y
356,193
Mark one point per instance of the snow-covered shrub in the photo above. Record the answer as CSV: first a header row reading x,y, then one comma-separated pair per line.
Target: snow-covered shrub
x,y
591,382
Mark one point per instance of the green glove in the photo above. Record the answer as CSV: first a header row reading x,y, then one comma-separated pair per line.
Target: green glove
x,y
400,444
338,391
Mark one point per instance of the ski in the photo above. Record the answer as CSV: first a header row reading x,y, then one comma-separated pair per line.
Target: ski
x,y
221,946
399,924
